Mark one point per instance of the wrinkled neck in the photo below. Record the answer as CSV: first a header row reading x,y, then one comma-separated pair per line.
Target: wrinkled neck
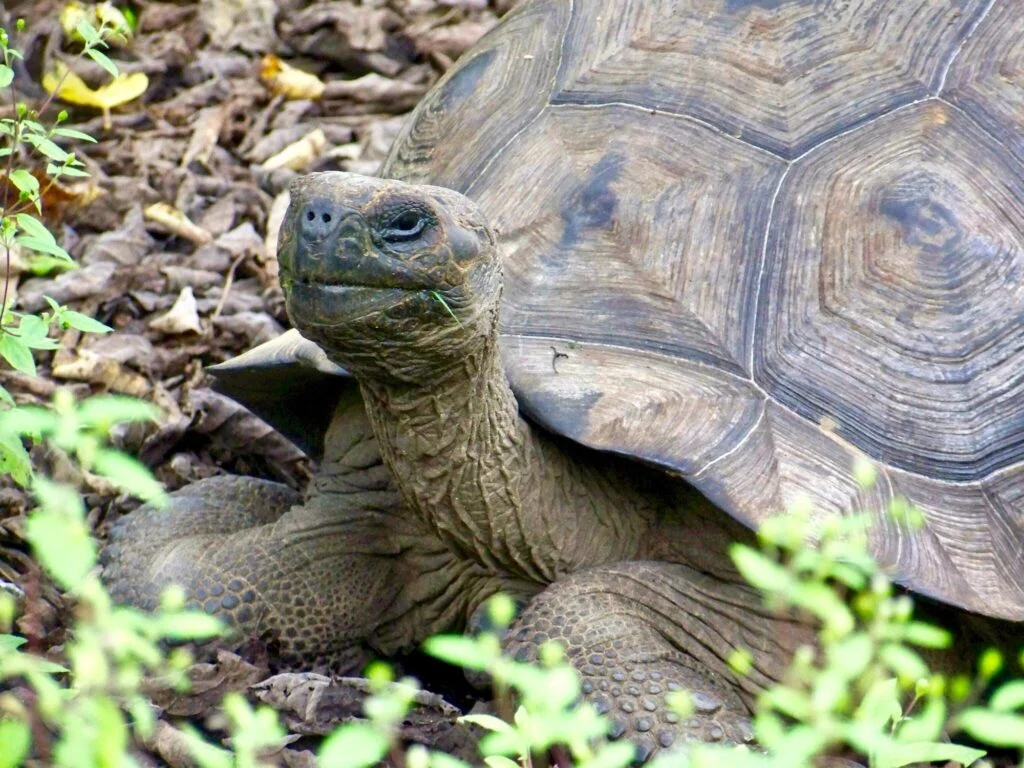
x,y
454,446
492,486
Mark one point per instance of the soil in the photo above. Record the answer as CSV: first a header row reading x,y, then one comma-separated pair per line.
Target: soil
x,y
174,236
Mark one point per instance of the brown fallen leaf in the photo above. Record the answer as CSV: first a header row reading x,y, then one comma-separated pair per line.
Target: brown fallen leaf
x,y
86,365
312,703
373,88
171,745
205,134
210,681
301,154
183,317
274,220
177,223
236,431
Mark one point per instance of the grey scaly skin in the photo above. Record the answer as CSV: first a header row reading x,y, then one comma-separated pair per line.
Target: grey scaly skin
x,y
438,493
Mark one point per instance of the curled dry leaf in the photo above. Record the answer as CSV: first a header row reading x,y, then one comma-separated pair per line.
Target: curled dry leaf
x,y
281,78
177,223
171,745
373,88
69,87
209,683
183,317
205,134
274,220
86,365
300,155
312,703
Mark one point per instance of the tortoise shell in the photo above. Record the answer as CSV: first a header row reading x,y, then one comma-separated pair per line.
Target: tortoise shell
x,y
750,240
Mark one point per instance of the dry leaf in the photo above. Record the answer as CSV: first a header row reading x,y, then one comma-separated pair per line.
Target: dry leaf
x,y
206,132
177,223
275,218
69,87
183,317
87,365
300,155
282,78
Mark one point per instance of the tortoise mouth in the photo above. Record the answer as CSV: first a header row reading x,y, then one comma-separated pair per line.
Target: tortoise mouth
x,y
339,303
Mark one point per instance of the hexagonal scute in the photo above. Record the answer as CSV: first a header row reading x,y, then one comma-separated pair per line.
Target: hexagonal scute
x,y
784,75
892,296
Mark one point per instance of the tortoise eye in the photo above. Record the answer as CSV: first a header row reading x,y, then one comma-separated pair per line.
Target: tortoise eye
x,y
406,226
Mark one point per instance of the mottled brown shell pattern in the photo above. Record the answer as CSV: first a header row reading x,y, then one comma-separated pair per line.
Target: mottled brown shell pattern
x,y
747,240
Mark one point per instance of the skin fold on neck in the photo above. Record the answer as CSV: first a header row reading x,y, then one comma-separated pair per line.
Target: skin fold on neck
x,y
500,490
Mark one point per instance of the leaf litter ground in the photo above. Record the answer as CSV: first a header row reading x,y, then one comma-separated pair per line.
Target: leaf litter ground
x,y
174,236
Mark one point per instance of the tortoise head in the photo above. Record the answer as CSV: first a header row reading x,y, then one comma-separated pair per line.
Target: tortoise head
x,y
391,279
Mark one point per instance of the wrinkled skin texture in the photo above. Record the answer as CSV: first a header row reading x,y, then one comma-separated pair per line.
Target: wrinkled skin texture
x,y
434,493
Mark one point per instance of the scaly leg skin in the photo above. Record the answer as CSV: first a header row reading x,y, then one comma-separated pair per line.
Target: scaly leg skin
x,y
243,553
351,566
637,631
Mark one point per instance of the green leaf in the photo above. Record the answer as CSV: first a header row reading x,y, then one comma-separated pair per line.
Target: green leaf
x,y
466,652
61,542
5,397
25,182
760,571
71,133
822,601
33,332
11,642
28,420
880,705
926,635
142,715
109,722
129,475
103,60
6,75
500,761
927,724
997,729
84,323
851,656
14,459
1008,697
103,411
17,353
899,755
903,662
789,701
47,148
487,722
38,238
57,171
618,754
190,625
15,736
356,745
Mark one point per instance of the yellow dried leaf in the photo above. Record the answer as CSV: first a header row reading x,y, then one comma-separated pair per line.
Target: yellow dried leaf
x,y
299,155
71,88
177,223
291,82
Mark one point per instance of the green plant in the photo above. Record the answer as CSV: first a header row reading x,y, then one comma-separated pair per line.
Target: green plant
x,y
76,715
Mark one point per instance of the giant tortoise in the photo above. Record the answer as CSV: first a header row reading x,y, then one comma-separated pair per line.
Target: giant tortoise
x,y
639,274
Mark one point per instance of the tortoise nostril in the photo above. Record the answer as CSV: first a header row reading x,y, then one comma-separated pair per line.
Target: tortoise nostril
x,y
326,218
310,215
